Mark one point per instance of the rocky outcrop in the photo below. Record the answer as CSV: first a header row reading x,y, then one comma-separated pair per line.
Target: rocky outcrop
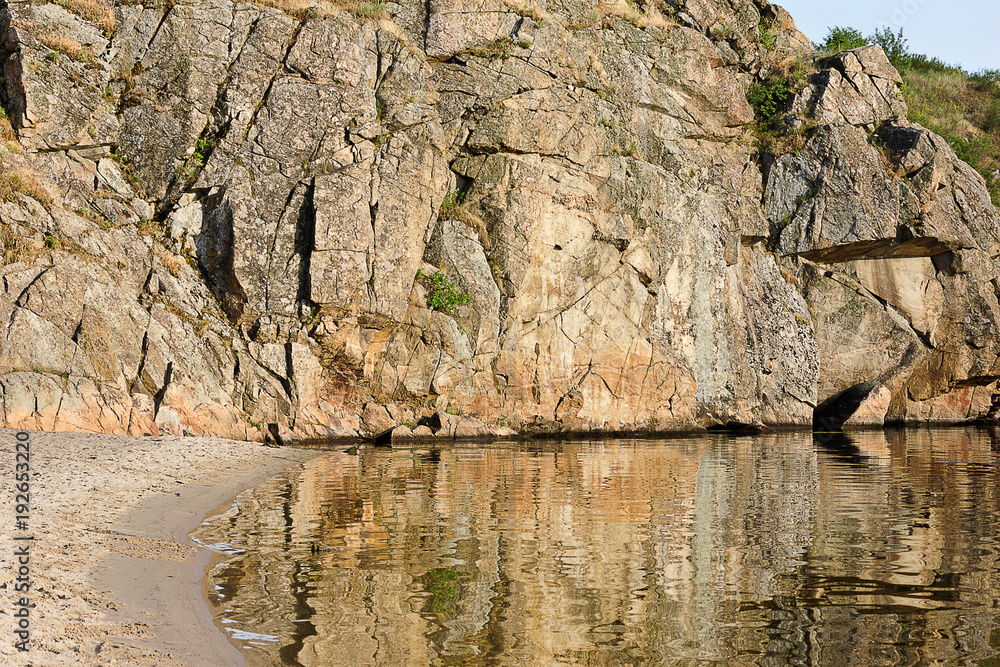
x,y
242,215
897,243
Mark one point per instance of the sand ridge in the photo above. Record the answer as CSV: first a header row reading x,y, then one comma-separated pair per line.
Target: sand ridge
x,y
115,580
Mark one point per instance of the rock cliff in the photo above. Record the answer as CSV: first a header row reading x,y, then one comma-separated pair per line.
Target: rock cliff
x,y
331,219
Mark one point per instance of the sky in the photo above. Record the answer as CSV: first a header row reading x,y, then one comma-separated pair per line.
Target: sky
x,y
959,32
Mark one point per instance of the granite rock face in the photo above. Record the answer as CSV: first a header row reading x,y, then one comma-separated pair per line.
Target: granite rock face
x,y
898,244
240,218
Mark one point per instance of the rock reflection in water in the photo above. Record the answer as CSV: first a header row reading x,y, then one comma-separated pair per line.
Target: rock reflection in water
x,y
874,548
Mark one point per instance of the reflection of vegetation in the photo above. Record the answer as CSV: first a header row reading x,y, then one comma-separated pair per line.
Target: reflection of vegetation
x,y
443,585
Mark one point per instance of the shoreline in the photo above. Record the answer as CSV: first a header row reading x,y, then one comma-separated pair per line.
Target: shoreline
x,y
115,578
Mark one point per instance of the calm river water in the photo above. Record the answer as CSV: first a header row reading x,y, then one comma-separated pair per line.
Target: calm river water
x,y
875,548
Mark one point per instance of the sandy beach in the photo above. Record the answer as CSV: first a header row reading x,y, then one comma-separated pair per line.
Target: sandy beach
x,y
113,578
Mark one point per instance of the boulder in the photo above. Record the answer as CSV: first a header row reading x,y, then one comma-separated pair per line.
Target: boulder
x,y
470,427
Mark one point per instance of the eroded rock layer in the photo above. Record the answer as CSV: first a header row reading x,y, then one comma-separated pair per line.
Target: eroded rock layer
x,y
223,219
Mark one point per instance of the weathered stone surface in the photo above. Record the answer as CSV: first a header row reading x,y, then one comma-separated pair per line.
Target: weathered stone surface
x,y
873,410
422,432
835,201
858,87
246,261
376,418
401,433
445,424
858,336
457,247
454,25
141,419
340,267
470,427
55,100
905,238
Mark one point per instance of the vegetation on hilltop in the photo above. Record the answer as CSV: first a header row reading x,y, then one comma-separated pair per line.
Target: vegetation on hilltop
x,y
963,107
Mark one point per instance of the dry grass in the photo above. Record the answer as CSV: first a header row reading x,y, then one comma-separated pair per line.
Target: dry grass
x,y
93,216
497,49
963,111
778,144
393,29
307,9
147,228
93,11
6,129
15,247
947,101
32,187
528,8
454,208
18,180
605,11
365,10
628,12
589,19
173,263
791,278
66,46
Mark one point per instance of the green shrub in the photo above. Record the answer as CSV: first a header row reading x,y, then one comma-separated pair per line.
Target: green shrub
x,y
368,10
991,118
723,32
842,39
442,294
894,45
498,49
768,38
963,108
451,207
768,99
918,62
986,79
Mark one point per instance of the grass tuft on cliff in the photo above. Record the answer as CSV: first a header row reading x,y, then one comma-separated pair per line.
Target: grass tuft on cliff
x,y
308,9
963,107
94,11
15,181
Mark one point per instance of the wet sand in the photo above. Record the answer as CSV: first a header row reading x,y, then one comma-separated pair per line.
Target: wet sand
x,y
115,580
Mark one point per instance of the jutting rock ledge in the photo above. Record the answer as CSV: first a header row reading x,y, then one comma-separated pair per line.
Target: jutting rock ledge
x,y
215,214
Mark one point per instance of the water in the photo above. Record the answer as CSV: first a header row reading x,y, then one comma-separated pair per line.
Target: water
x,y
873,549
